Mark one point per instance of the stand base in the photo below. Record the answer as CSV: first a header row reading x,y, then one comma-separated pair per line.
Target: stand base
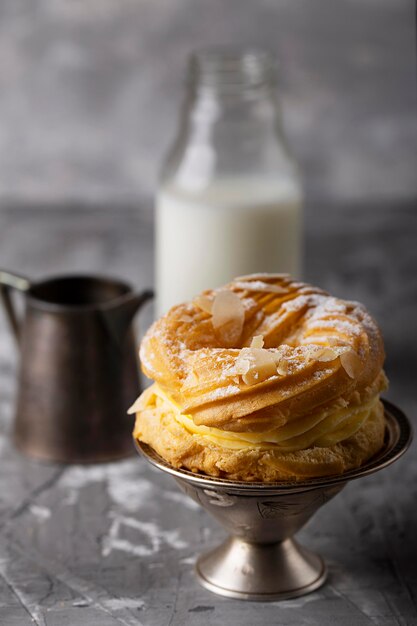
x,y
261,572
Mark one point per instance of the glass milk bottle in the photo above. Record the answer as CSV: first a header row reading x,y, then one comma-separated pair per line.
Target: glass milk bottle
x,y
229,201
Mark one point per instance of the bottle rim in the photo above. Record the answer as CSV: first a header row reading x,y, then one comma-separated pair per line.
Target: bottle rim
x,y
230,69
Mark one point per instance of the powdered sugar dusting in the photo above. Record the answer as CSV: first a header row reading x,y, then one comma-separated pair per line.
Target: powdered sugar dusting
x,y
223,392
185,350
257,285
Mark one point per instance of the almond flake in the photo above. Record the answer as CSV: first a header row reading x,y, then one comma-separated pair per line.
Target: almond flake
x,y
257,341
282,367
135,406
192,378
242,363
351,363
261,365
251,377
228,317
326,354
185,318
204,303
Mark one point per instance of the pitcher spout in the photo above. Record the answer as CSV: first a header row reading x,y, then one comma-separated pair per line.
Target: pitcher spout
x,y
118,318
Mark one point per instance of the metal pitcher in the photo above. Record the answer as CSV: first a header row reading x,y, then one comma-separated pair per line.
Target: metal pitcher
x,y
78,366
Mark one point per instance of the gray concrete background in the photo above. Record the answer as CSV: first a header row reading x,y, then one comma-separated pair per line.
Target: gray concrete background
x,y
90,91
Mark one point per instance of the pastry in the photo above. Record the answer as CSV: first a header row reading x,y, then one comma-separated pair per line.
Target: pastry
x,y
264,379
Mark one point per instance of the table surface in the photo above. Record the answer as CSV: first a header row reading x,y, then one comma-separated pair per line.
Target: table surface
x,y
115,543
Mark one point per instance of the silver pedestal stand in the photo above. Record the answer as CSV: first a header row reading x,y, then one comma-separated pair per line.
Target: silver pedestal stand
x,y
260,560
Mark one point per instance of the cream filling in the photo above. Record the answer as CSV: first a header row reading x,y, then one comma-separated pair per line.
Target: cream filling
x,y
321,429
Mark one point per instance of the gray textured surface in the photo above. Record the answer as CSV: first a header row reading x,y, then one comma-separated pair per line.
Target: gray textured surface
x,y
90,91
89,94
114,544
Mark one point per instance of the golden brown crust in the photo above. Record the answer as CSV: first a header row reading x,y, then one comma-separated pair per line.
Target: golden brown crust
x,y
182,449
197,364
186,356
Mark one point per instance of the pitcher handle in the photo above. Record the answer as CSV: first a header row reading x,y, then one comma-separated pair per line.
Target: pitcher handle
x,y
9,281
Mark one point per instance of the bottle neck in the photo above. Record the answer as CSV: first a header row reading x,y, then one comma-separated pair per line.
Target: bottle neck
x,y
230,75
230,123
230,88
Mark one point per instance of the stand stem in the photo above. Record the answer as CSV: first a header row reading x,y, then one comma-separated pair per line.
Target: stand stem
x,y
261,572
